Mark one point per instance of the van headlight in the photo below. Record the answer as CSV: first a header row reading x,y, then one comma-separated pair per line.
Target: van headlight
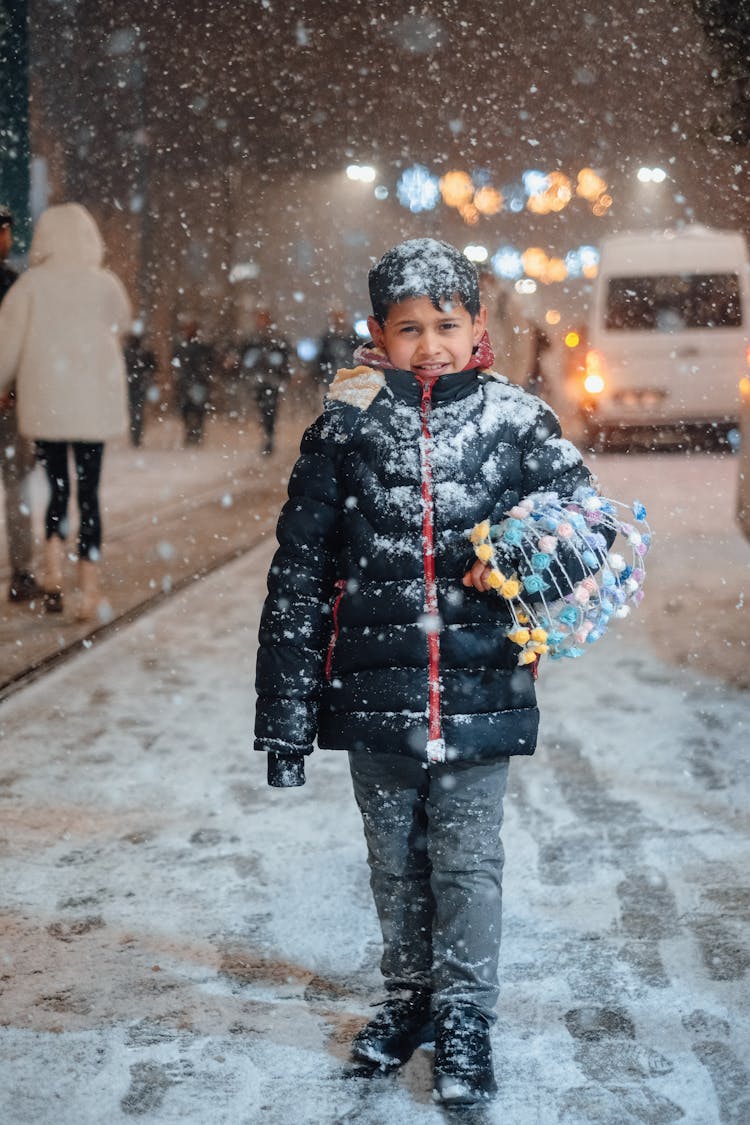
x,y
593,380
594,384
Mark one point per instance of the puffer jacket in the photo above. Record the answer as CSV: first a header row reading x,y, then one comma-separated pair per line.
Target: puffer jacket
x,y
368,639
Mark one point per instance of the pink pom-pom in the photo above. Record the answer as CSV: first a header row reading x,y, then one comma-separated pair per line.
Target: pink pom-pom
x,y
518,513
581,594
526,503
564,529
641,549
589,584
548,544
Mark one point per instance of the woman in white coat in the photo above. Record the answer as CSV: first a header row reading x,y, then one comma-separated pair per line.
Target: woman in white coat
x,y
61,330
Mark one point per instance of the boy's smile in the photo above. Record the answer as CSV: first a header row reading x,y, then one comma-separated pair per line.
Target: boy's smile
x,y
427,341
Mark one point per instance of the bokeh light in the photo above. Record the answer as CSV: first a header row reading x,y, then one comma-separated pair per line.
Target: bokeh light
x,y
534,182
507,263
418,189
456,188
488,201
364,173
534,261
590,185
475,252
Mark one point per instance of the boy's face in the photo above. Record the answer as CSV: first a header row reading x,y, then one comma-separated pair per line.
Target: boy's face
x,y
429,342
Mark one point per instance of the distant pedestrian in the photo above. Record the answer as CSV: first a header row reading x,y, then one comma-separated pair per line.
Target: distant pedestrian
x,y
193,365
538,383
509,329
337,346
140,365
265,363
61,330
16,459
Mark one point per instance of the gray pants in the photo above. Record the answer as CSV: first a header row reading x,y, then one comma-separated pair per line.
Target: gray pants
x,y
16,462
436,866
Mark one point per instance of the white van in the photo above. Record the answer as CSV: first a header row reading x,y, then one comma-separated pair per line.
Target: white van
x,y
668,334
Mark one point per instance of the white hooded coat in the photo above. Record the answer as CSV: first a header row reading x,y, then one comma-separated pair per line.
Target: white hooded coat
x,y
61,329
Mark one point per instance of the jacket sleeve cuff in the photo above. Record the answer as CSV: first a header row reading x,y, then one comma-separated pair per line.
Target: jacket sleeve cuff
x,y
286,770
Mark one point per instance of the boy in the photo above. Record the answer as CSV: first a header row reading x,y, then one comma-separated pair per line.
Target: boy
x,y
379,636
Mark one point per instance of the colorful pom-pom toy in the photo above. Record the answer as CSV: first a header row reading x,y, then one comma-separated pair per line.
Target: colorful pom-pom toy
x,y
572,577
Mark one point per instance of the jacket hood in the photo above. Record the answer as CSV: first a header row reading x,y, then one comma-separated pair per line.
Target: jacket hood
x,y
67,233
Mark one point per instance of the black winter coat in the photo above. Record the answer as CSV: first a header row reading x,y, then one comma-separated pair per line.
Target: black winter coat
x,y
368,638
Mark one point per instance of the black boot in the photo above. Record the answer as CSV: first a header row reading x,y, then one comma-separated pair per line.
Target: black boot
x,y
463,1057
23,587
391,1038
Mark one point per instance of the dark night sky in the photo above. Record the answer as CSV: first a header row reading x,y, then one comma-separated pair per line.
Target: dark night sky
x,y
300,83
170,93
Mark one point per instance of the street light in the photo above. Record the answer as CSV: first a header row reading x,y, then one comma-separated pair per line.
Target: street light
x,y
651,175
365,173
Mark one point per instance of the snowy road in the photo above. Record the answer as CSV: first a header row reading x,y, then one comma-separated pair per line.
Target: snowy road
x,y
180,943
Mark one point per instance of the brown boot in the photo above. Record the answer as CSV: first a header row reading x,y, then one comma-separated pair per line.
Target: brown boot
x,y
88,586
52,598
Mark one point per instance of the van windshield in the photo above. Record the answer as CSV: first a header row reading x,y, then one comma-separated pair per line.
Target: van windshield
x,y
673,302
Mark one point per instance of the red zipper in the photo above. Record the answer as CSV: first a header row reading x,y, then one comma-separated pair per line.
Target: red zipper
x,y
341,587
435,740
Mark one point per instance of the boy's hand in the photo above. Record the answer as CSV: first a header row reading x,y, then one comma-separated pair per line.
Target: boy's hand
x,y
477,577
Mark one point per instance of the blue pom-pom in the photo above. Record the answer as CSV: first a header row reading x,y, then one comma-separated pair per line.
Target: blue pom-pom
x,y
639,510
534,584
540,560
569,615
590,559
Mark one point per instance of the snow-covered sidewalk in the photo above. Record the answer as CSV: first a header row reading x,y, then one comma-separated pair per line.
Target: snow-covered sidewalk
x,y
180,943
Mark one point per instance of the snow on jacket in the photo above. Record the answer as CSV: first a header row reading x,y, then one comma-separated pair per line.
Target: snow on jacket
x,y
61,327
368,638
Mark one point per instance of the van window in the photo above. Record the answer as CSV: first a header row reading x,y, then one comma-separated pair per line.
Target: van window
x,y
673,302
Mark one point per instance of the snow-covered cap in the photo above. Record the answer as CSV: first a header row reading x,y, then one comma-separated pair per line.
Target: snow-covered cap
x,y
423,267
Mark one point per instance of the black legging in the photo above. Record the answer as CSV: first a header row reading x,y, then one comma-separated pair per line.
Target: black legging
x,y
53,455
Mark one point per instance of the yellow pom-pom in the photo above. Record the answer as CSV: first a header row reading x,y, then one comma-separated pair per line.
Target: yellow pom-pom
x,y
526,657
511,588
481,531
495,579
540,649
522,619
483,552
519,636
539,635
